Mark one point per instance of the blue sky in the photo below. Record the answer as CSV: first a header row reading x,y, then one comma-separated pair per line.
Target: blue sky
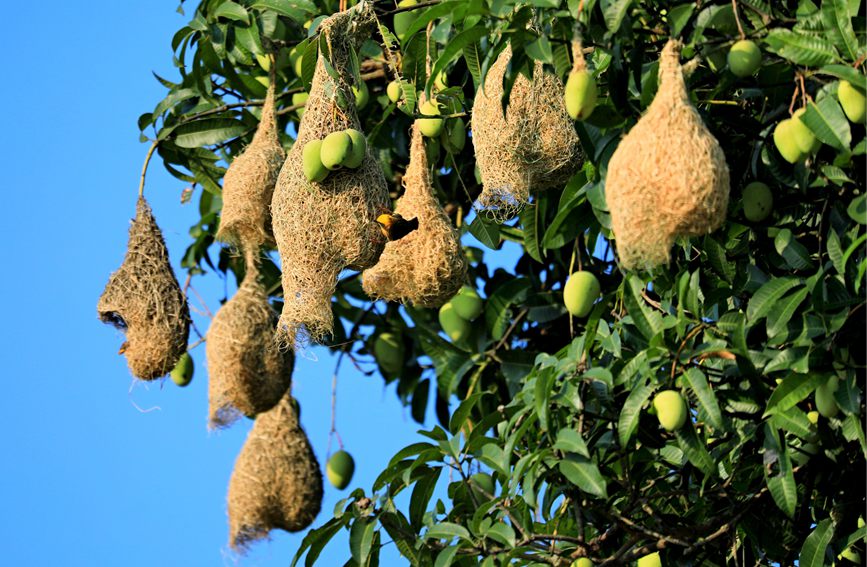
x,y
90,476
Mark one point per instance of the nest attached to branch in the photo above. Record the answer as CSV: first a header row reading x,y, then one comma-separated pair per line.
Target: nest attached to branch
x,y
143,298
668,177
248,185
247,372
427,267
323,227
276,483
532,147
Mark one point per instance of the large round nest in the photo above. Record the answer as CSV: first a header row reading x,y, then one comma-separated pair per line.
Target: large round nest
x,y
247,372
248,185
668,177
144,299
532,147
276,483
426,267
322,228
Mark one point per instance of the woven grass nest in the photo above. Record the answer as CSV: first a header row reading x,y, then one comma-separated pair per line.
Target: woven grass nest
x,y
248,185
427,267
143,298
276,483
668,177
247,372
323,227
532,147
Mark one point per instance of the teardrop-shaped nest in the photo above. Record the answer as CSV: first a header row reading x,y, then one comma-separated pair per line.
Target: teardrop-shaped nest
x,y
426,267
532,147
276,483
668,177
322,228
247,372
143,298
248,184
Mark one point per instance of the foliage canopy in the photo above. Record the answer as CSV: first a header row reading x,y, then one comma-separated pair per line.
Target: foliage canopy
x,y
746,322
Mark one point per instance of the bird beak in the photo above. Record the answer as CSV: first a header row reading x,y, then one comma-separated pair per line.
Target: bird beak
x,y
123,348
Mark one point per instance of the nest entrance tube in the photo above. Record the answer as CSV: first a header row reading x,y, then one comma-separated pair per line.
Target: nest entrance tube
x,y
276,482
248,184
247,372
668,177
532,147
323,227
143,298
426,267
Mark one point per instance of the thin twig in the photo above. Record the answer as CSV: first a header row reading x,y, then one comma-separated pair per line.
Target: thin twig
x,y
144,168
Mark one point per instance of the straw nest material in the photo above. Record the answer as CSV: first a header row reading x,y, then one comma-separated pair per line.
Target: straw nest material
x,y
248,373
668,177
276,482
144,299
427,267
249,184
533,147
323,227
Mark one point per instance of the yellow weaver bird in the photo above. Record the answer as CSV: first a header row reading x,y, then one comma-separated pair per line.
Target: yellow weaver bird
x,y
394,226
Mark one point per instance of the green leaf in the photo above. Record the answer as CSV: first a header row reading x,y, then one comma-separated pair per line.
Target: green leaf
x,y
838,26
764,299
794,421
614,11
697,382
451,363
315,541
809,50
453,49
792,251
502,533
631,412
460,415
584,474
827,121
783,310
544,381
497,307
232,11
782,485
486,232
529,217
447,530
421,495
648,322
206,132
792,390
813,550
447,556
570,441
847,73
857,209
694,449
297,10
361,539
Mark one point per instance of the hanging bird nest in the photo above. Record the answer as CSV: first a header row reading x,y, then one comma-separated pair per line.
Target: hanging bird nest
x,y
248,185
143,298
323,227
532,147
276,483
426,267
248,373
668,177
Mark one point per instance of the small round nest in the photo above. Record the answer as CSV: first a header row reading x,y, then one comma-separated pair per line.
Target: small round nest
x,y
276,483
532,147
323,227
427,267
143,298
248,185
668,177
248,373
